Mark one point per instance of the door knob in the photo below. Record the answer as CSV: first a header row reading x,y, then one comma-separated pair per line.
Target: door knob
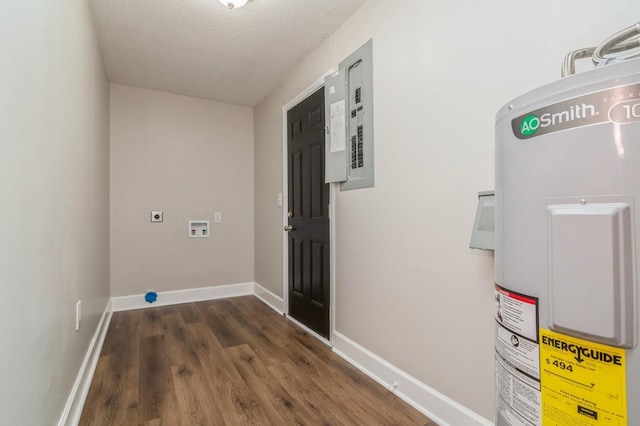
x,y
289,228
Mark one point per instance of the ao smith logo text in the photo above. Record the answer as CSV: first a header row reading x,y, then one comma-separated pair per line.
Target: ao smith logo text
x,y
582,353
532,123
620,105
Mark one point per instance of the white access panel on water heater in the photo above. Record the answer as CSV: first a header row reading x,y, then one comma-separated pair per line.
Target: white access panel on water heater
x,y
567,227
589,269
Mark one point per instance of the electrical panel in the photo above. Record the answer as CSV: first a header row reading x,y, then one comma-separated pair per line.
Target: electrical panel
x,y
349,136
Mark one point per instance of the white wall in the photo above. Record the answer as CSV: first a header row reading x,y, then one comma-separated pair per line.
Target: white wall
x,y
408,287
189,158
54,227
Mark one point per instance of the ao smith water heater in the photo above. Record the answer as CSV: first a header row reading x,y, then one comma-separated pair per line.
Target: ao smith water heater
x,y
567,245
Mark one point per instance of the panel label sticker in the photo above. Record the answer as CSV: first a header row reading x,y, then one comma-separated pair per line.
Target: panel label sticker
x,y
583,383
618,105
338,135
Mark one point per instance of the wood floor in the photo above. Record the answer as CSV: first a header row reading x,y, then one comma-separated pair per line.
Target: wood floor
x,y
227,362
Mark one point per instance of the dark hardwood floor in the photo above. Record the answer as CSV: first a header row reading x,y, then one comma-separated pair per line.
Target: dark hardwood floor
x,y
227,362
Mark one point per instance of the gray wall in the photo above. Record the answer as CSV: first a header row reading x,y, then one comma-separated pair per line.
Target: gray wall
x,y
189,158
408,287
54,192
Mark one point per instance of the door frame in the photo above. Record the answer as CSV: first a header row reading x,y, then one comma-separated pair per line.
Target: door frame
x,y
333,187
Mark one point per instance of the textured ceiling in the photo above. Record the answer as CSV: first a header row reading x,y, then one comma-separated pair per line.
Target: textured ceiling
x,y
200,48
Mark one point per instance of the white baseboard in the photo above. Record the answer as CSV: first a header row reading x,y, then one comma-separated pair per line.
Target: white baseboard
x,y
77,397
136,301
271,299
438,407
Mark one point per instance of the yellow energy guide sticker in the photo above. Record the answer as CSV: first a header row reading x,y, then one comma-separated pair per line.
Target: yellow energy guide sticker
x,y
582,383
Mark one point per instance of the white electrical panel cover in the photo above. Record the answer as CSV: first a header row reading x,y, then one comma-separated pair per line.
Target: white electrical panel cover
x,y
349,109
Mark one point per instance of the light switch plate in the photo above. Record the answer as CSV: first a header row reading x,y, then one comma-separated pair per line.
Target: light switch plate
x,y
156,216
78,314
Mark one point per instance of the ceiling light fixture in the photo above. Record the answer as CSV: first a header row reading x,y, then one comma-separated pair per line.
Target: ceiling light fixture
x,y
233,4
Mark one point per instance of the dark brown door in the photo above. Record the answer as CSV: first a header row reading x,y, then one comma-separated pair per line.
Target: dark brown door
x,y
308,215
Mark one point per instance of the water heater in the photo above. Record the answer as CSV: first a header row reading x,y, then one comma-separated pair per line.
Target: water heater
x,y
567,249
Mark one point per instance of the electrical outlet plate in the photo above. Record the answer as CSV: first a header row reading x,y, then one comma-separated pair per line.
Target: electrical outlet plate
x,y
156,216
217,217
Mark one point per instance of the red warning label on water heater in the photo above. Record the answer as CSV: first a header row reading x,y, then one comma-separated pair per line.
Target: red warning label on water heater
x,y
517,312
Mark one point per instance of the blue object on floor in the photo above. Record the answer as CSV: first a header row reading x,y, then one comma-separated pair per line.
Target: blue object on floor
x,y
151,296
